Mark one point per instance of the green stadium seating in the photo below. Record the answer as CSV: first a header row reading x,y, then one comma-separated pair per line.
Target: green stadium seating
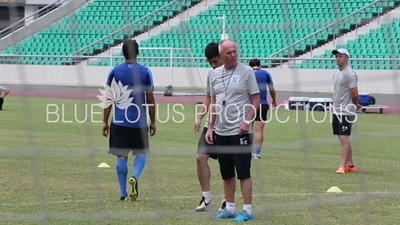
x,y
90,23
381,43
260,28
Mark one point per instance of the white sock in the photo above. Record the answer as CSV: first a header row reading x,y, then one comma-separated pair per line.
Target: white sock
x,y
247,208
207,194
230,207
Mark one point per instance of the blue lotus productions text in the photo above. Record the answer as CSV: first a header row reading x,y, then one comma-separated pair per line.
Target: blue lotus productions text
x,y
93,113
309,115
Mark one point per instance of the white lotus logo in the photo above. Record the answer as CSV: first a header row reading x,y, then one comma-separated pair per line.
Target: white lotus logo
x,y
116,93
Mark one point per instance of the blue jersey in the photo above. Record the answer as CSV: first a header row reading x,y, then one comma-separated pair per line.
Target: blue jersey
x,y
263,79
129,83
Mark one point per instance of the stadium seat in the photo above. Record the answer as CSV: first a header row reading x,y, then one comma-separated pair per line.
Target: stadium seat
x,y
260,29
90,23
259,34
381,43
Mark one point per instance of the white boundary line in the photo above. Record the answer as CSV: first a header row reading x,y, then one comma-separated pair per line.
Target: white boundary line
x,y
182,93
196,196
188,214
289,145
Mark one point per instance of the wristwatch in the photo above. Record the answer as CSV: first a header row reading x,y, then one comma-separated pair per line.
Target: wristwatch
x,y
247,122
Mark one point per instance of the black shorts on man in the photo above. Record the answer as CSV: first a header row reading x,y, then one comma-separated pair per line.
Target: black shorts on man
x,y
234,152
343,107
342,124
204,147
124,140
262,113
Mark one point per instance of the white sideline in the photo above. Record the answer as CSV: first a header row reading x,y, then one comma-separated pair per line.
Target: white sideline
x,y
161,214
289,145
197,196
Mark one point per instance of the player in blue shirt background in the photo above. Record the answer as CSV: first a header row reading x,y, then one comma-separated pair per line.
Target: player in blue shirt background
x,y
2,95
132,86
264,80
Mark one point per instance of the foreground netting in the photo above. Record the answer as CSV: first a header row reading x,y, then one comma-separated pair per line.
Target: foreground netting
x,y
50,175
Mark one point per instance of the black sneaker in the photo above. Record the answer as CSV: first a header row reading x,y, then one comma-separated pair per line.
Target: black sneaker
x,y
223,206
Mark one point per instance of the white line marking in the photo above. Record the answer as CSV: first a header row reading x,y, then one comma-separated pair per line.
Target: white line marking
x,y
189,214
290,145
196,196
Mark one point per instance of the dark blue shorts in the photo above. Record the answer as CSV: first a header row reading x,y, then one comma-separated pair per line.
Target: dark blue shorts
x,y
262,113
124,140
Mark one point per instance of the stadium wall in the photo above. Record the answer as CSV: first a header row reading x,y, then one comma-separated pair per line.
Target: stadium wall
x,y
301,80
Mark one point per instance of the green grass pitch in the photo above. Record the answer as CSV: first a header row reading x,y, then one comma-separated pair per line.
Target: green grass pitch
x,y
48,171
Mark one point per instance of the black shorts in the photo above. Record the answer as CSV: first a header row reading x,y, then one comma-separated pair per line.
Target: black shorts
x,y
205,148
262,113
234,152
341,125
124,140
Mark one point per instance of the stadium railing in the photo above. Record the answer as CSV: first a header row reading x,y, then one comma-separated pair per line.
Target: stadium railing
x,y
127,29
335,27
10,35
372,63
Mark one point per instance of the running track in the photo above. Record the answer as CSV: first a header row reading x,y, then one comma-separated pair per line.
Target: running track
x,y
393,101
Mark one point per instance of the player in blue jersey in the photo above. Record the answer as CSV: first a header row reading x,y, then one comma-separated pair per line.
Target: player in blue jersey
x,y
2,95
129,130
264,80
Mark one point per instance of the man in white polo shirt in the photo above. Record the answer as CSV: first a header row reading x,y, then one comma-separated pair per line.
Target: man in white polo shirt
x,y
234,83
345,105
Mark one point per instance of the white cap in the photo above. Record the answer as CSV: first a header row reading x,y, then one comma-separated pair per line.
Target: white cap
x,y
341,51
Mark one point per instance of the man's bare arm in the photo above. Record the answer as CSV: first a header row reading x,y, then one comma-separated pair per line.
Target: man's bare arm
x,y
206,104
106,114
272,92
5,93
354,95
353,86
151,102
212,110
255,103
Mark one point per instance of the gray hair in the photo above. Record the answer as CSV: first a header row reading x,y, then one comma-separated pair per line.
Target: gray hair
x,y
223,41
